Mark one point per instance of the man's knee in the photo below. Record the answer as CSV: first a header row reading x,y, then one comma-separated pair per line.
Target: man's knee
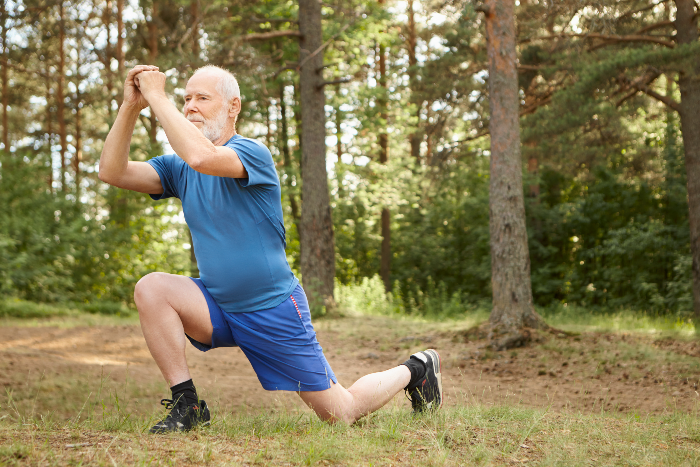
x,y
149,287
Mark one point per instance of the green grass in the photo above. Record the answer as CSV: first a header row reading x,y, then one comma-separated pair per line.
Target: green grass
x,y
466,435
79,419
24,309
582,320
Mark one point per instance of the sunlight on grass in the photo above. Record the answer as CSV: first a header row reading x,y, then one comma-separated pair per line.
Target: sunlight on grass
x,y
580,319
367,298
466,435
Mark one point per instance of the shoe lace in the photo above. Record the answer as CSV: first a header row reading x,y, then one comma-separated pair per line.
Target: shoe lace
x,y
168,403
171,403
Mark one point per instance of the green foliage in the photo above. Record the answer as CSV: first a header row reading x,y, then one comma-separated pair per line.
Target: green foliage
x,y
53,249
15,308
608,242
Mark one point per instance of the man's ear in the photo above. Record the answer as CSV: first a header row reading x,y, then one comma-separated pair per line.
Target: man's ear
x,y
235,107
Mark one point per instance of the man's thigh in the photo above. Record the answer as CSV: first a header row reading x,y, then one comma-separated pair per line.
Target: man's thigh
x,y
183,296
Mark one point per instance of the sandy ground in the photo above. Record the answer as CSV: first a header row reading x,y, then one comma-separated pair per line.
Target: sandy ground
x,y
590,372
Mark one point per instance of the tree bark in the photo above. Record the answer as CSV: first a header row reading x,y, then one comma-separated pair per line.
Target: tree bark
x,y
5,81
385,255
288,168
513,310
338,129
78,158
194,13
78,142
194,267
60,97
415,137
49,125
152,57
317,249
107,62
119,52
689,85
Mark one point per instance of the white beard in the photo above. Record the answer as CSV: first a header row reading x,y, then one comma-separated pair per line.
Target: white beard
x,y
213,128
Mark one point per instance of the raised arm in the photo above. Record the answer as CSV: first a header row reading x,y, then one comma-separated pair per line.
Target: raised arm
x,y
115,166
188,142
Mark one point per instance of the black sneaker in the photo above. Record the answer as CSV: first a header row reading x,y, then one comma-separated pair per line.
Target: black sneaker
x,y
426,393
182,417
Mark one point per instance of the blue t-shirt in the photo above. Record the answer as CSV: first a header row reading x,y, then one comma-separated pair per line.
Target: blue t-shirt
x,y
236,225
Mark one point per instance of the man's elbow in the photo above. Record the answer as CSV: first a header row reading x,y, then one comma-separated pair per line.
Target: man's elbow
x,y
105,177
196,163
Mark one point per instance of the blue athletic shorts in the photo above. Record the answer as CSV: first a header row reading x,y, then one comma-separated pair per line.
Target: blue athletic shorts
x,y
280,343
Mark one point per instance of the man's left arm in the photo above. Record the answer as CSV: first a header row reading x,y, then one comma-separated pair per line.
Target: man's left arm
x,y
186,140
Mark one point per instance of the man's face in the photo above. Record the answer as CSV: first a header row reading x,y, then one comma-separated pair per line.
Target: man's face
x,y
205,107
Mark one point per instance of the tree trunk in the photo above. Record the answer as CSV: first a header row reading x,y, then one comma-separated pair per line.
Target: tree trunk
x,y
288,168
513,310
533,168
385,256
338,121
194,13
152,57
78,142
49,124
5,85
318,250
689,85
194,267
78,128
107,62
415,137
60,97
119,52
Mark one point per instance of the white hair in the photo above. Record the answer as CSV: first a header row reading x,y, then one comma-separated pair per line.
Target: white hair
x,y
227,86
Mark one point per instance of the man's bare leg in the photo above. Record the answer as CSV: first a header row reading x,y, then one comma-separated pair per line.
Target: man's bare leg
x,y
170,306
369,393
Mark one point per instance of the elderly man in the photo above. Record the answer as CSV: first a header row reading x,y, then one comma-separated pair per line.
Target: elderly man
x,y
247,295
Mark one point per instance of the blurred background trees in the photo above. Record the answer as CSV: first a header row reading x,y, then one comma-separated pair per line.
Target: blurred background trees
x,y
602,88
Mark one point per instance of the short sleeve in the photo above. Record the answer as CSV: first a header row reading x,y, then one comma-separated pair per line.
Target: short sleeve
x,y
257,160
170,171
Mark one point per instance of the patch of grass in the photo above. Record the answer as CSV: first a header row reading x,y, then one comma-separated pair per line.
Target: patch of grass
x,y
466,435
368,298
24,309
16,308
578,319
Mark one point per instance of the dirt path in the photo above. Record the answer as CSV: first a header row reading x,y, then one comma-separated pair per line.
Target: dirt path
x,y
615,372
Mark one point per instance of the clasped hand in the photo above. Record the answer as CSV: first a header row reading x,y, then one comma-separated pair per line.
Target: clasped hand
x,y
143,83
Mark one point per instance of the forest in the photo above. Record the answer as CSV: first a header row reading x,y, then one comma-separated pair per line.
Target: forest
x,y
398,193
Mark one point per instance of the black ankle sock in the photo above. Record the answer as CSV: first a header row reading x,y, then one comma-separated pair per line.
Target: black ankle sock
x,y
417,369
186,390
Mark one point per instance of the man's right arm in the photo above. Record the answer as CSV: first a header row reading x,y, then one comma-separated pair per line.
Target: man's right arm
x,y
115,166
